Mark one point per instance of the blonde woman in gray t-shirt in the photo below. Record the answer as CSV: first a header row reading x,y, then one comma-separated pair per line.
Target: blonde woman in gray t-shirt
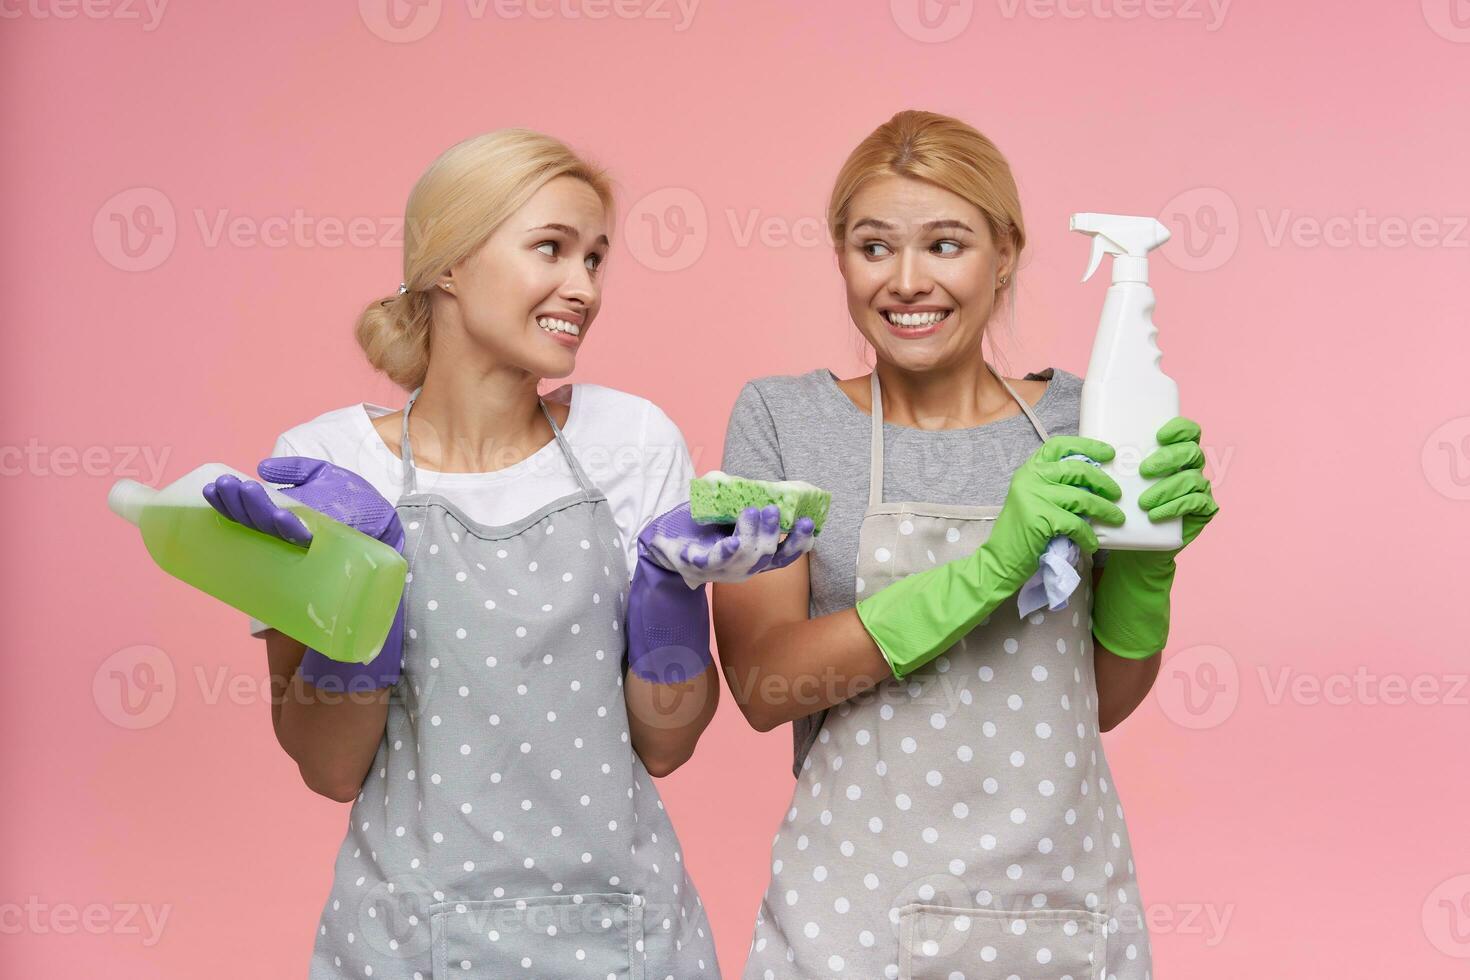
x,y
954,814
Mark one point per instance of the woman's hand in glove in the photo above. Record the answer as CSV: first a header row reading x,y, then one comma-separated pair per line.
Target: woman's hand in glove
x,y
325,487
702,553
1049,495
918,617
343,496
668,612
1130,610
1182,491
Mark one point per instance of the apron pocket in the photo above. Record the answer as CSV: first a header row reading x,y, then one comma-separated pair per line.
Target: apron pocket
x,y
540,938
937,942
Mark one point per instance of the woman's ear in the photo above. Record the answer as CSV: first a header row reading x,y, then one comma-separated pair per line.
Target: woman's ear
x,y
1005,267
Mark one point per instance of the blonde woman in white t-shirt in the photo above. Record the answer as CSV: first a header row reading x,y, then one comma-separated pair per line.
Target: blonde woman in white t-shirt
x,y
499,750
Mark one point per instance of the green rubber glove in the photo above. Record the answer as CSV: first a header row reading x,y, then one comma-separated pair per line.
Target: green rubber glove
x,y
916,618
1130,609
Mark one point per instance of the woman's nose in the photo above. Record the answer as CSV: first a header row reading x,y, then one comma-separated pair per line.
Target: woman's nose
x,y
909,276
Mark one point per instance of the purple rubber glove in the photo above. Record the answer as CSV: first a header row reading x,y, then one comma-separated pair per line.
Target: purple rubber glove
x,y
668,611
668,624
343,496
703,553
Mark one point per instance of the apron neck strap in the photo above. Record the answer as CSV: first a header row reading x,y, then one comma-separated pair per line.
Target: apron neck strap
x,y
875,464
407,450
410,472
1030,413
566,448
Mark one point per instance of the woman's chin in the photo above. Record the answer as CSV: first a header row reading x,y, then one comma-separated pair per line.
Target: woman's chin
x,y
914,356
558,367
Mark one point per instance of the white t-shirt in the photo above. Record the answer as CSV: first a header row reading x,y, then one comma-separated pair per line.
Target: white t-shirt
x,y
629,448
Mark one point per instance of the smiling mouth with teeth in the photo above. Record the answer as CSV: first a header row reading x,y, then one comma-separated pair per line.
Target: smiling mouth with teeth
x,y
926,319
552,325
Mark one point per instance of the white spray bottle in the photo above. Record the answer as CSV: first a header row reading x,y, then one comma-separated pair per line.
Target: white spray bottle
x,y
1126,397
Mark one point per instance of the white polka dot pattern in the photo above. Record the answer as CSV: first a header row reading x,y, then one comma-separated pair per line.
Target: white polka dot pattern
x,y
961,822
507,828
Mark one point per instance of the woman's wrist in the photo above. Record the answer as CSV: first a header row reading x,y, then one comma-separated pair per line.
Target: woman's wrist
x,y
335,677
1131,604
668,625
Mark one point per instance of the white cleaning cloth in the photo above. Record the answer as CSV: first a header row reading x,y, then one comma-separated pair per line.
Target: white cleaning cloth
x,y
1055,580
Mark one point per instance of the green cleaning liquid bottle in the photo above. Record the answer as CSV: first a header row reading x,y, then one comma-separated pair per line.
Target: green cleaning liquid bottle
x,y
337,595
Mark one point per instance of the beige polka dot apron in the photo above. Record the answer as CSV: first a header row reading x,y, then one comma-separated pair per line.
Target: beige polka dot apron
x,y
960,823
507,829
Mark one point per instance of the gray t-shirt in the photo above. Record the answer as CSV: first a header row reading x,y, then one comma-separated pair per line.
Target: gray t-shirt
x,y
804,427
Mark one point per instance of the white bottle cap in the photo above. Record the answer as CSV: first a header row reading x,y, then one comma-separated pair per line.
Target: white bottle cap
x,y
127,498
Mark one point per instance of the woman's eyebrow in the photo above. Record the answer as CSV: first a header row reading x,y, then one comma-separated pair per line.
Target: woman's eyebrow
x,y
942,223
567,230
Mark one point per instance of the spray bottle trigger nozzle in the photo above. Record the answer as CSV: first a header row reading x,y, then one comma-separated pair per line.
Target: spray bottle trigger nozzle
x,y
1101,245
1096,259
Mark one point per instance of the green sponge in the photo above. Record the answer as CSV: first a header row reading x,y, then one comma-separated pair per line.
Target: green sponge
x,y
718,498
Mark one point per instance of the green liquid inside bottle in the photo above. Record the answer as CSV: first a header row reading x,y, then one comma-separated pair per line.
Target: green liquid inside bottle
x,y
338,595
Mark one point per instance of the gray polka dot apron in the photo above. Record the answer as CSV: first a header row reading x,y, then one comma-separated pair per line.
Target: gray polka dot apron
x,y
960,823
507,829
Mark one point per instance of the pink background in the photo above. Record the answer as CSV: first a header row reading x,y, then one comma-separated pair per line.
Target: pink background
x,y
1296,784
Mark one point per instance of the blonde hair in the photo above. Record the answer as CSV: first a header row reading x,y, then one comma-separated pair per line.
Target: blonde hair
x,y
456,205
945,152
